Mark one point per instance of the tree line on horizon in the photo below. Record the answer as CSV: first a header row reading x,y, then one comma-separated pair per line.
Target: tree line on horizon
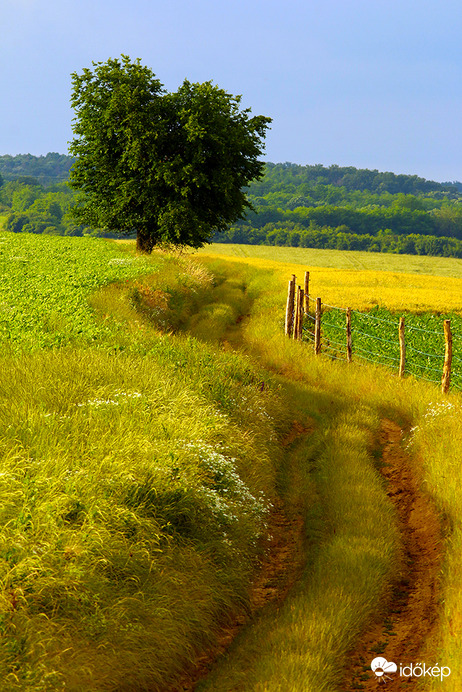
x,y
31,207
47,170
292,205
35,196
351,209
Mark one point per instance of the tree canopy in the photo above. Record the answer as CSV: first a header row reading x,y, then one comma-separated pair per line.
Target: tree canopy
x,y
169,166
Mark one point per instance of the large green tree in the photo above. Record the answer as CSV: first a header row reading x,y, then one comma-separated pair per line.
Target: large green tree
x,y
169,166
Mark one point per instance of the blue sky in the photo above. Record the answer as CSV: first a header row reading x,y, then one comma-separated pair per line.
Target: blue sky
x,y
367,83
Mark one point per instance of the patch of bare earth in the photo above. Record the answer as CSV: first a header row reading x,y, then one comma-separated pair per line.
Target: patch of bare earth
x,y
280,568
412,612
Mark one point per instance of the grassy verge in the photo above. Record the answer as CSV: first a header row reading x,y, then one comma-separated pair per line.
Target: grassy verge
x,y
132,502
436,444
437,438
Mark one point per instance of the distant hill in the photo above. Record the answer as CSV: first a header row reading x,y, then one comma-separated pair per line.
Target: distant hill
x,y
334,207
350,209
292,177
47,170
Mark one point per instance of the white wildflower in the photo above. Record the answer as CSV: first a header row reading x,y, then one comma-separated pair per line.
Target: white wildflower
x,y
95,403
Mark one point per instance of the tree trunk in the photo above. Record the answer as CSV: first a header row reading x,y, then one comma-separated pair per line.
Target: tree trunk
x,y
144,241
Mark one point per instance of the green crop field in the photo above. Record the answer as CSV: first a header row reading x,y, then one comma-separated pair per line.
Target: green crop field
x,y
46,282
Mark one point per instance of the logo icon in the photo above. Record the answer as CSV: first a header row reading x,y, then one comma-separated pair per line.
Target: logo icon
x,y
381,667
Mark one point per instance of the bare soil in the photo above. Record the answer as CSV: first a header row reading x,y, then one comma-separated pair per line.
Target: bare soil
x,y
413,602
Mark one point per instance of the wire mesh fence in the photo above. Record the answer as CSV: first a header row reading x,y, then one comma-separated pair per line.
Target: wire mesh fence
x,y
421,348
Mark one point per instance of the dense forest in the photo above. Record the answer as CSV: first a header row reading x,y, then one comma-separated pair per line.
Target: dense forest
x,y
48,170
30,207
351,209
300,206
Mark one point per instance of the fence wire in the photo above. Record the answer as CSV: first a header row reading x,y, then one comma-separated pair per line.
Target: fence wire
x,y
375,340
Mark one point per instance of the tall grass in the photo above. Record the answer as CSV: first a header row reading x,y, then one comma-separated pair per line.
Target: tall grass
x,y
437,438
124,500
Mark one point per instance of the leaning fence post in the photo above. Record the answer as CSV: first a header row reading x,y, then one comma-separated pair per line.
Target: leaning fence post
x,y
289,325
348,334
446,380
307,293
402,348
317,327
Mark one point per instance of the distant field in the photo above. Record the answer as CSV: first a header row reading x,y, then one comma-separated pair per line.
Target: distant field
x,y
400,283
344,259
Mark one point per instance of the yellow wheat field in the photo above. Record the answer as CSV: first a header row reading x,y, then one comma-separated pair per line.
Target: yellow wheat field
x,y
364,289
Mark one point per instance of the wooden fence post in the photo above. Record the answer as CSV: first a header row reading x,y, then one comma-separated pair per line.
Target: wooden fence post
x,y
296,330
300,312
307,293
289,325
402,348
446,380
348,334
317,328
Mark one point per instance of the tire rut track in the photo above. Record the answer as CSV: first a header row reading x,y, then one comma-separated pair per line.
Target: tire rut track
x,y
400,635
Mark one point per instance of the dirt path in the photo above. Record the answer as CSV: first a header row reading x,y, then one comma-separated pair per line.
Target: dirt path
x,y
412,612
